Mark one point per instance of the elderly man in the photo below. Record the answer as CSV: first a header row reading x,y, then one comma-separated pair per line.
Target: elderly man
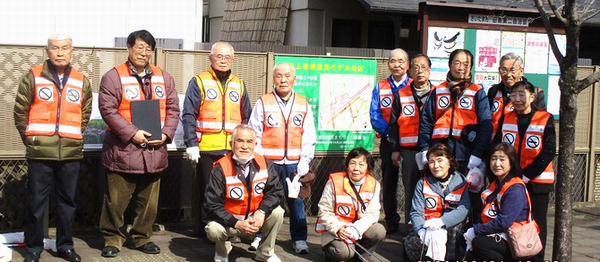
x,y
404,125
381,108
133,162
511,71
52,109
242,198
215,102
285,133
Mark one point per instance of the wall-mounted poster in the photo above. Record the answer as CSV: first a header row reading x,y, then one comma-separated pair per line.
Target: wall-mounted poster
x,y
439,70
339,92
442,41
513,42
487,79
487,55
536,54
553,67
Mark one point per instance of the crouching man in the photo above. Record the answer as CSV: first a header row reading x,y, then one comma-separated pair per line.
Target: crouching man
x,y
242,198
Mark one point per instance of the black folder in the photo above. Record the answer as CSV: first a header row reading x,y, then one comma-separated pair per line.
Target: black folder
x,y
145,115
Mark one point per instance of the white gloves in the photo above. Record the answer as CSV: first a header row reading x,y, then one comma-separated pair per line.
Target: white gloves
x,y
434,223
421,159
469,236
5,253
302,168
193,153
353,231
422,233
473,162
475,179
293,187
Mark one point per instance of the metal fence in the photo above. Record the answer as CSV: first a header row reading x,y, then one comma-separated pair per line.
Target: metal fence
x,y
175,202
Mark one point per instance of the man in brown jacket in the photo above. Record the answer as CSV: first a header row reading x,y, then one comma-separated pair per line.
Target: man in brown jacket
x,y
133,162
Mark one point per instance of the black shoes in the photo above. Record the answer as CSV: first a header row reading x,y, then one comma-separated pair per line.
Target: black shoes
x,y
70,255
32,257
392,228
110,251
150,248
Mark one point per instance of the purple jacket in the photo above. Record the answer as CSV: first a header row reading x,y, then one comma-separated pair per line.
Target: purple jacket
x,y
119,154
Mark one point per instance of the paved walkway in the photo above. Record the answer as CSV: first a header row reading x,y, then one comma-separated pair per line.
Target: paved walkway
x,y
178,244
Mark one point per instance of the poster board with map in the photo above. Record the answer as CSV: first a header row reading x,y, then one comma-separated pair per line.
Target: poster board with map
x,y
339,93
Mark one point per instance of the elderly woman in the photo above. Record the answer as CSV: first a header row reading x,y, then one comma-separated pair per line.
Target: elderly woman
x,y
506,204
349,209
440,206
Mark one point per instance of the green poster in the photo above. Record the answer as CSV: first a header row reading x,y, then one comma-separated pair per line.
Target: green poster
x,y
339,92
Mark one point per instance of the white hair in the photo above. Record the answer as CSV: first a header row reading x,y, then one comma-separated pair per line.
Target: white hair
x,y
59,37
212,48
404,53
291,66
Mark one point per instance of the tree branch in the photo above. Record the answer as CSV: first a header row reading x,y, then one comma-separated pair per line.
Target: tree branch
x,y
588,81
587,15
555,10
538,4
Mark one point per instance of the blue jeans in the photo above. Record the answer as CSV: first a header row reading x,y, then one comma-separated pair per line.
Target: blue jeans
x,y
298,229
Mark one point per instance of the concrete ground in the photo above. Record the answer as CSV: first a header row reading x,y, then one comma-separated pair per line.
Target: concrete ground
x,y
178,243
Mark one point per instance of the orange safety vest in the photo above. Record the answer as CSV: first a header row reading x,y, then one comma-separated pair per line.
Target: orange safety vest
x,y
283,138
238,201
386,97
132,91
347,206
499,109
218,111
55,111
531,146
489,210
433,206
463,112
408,120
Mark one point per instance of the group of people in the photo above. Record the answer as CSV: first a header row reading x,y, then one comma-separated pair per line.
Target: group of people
x,y
239,188
460,137
247,159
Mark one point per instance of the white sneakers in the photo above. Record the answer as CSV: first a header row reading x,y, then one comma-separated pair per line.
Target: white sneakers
x,y
273,258
219,258
301,247
254,244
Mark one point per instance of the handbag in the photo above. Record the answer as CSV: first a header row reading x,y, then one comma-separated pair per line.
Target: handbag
x,y
524,241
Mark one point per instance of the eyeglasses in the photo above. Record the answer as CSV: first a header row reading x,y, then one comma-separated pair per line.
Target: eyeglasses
x,y
140,49
419,67
504,70
227,58
458,63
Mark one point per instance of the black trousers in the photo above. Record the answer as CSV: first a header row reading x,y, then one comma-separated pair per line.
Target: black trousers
x,y
539,211
203,169
410,176
41,175
389,174
488,248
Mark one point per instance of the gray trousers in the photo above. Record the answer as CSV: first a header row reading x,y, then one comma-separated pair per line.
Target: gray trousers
x,y
219,234
338,250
